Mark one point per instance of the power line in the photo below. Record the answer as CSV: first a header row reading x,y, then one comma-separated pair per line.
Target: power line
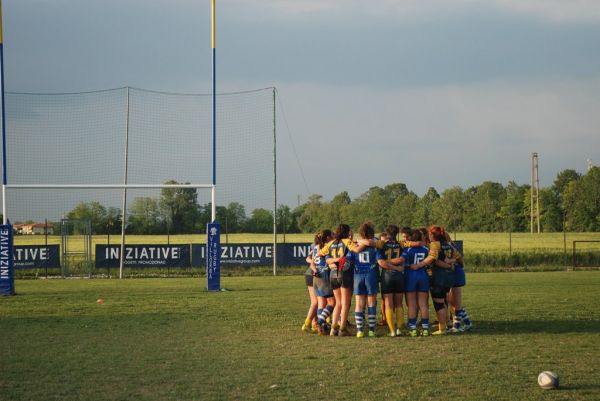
x,y
292,142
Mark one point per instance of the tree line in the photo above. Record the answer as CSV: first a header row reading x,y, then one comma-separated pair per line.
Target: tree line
x,y
571,203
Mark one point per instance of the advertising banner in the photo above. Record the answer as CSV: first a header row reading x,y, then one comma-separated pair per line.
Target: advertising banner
x,y
36,256
149,255
292,254
7,277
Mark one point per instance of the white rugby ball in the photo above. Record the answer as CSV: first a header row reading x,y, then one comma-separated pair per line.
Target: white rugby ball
x,y
548,380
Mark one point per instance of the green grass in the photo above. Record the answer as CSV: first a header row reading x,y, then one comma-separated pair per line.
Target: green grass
x,y
159,339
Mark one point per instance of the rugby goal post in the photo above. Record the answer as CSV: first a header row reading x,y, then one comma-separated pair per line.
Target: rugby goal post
x,y
123,187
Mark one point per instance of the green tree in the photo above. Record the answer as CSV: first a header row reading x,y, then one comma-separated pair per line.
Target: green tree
x,y
551,214
371,206
402,211
180,208
309,221
145,217
333,212
482,210
286,220
423,215
92,211
563,179
261,221
113,220
236,217
394,191
512,211
449,208
582,198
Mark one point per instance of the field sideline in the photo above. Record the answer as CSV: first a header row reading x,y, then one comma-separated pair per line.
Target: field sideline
x,y
168,339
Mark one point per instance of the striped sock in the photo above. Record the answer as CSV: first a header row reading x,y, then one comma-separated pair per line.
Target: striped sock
x,y
325,313
425,324
319,311
464,316
412,324
359,318
372,312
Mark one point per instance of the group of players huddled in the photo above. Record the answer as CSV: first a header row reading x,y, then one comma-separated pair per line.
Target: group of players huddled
x,y
423,261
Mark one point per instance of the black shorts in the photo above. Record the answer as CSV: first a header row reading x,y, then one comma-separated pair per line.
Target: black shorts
x,y
342,279
438,291
308,280
392,282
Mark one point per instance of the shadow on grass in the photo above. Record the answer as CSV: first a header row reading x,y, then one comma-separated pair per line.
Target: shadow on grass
x,y
579,387
536,326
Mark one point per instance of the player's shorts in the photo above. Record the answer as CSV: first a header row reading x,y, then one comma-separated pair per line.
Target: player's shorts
x,y
416,280
335,279
341,279
322,285
438,291
460,280
392,282
366,283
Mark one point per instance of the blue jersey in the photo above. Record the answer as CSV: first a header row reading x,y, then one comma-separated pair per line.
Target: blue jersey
x,y
414,255
364,261
318,260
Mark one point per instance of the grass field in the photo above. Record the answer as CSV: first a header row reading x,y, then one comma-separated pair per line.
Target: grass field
x,y
168,339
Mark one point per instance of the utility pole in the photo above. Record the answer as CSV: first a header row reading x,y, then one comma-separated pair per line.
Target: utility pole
x,y
535,193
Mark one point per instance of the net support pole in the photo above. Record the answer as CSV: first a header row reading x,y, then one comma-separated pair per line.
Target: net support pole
x,y
4,175
124,204
274,189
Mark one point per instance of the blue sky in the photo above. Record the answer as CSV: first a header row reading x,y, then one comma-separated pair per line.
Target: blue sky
x,y
429,93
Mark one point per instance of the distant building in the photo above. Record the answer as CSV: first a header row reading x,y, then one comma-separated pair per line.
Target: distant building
x,y
33,229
